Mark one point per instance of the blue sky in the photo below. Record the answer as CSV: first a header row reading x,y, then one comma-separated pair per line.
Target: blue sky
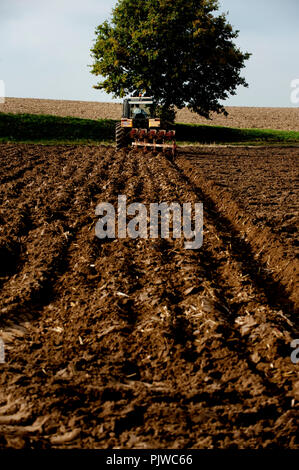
x,y
45,48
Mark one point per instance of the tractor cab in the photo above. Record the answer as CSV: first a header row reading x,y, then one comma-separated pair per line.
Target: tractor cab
x,y
136,105
139,113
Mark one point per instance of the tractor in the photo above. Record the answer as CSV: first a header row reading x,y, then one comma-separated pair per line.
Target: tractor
x,y
139,128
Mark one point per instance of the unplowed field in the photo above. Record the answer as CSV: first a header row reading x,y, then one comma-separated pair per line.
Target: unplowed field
x,y
141,343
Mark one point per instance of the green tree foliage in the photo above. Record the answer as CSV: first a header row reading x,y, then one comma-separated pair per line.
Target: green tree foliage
x,y
178,51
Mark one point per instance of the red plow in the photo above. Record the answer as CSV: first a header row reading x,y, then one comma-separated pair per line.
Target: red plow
x,y
153,139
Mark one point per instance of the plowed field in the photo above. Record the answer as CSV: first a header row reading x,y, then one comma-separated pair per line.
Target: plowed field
x,y
241,117
140,343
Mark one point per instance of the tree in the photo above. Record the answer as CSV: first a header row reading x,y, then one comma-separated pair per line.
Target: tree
x,y
177,51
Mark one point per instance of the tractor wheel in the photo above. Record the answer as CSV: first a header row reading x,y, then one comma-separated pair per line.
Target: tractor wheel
x,y
120,136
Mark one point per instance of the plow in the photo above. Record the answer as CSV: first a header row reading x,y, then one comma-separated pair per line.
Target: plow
x,y
139,128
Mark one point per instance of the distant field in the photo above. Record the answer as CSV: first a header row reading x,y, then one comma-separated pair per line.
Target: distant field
x,y
244,117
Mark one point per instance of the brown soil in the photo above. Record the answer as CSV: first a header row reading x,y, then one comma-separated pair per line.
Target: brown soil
x,y
242,117
141,343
